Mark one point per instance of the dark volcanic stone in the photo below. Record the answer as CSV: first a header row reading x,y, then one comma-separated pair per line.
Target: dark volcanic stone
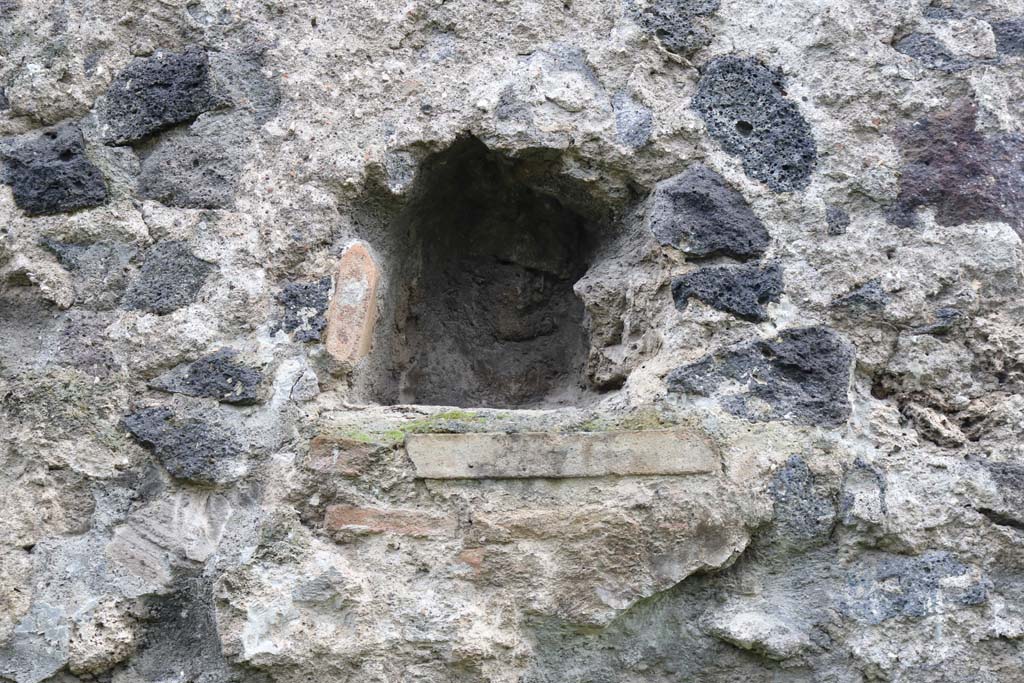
x,y
965,175
82,343
804,512
214,376
178,639
867,297
945,320
90,62
1009,35
245,87
193,170
677,25
153,94
1009,477
837,220
740,290
99,270
943,13
50,174
509,108
188,449
38,647
699,214
169,279
305,304
801,376
4,104
909,587
744,105
931,53
632,121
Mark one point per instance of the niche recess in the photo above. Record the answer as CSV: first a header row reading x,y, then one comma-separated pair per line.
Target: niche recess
x,y
485,313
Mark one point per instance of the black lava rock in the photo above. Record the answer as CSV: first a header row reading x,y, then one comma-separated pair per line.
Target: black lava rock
x,y
942,13
51,174
699,214
153,94
1009,35
4,104
931,53
169,279
193,170
801,376
837,220
677,24
744,105
966,175
217,376
1009,478
804,511
305,305
945,320
178,637
909,587
188,449
740,290
868,297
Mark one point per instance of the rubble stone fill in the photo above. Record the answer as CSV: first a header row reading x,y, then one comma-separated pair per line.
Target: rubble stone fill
x,y
519,341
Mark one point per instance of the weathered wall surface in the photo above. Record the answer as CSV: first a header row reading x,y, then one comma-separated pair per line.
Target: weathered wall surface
x,y
729,296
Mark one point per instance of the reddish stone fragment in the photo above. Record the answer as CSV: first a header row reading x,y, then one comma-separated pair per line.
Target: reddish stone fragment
x,y
340,456
352,313
345,519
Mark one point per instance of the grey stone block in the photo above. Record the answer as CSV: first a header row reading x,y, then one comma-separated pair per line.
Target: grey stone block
x,y
559,456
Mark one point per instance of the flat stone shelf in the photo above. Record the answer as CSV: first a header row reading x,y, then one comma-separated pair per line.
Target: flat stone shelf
x,y
549,455
447,443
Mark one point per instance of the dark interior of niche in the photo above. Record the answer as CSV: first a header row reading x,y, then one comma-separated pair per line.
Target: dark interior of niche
x,y
483,303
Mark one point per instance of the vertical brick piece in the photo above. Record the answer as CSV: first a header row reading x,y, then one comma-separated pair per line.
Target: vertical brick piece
x,y
352,313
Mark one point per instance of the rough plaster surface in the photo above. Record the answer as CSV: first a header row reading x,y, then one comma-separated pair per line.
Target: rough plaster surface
x,y
791,230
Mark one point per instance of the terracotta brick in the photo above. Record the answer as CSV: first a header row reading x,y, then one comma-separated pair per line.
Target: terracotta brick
x,y
340,456
345,519
473,559
352,313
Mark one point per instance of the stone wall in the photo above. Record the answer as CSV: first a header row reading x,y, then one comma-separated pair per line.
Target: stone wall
x,y
595,341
